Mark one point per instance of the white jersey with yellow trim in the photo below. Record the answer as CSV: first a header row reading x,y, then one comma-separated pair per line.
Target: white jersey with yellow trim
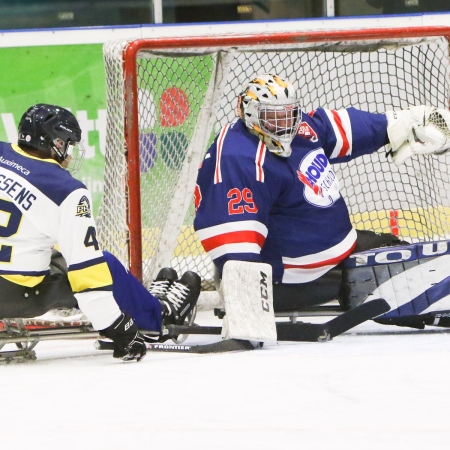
x,y
41,206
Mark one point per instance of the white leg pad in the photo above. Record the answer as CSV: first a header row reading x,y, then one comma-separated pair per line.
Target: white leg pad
x,y
247,293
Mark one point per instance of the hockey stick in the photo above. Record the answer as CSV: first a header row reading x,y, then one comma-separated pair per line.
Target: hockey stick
x,y
228,345
286,331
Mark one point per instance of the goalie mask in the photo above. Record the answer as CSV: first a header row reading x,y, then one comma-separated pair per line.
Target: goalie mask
x,y
54,131
271,110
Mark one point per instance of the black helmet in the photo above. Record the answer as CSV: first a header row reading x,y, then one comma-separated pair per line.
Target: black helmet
x,y
49,127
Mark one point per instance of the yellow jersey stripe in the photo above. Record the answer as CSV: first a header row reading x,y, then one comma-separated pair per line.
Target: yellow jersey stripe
x,y
92,277
24,280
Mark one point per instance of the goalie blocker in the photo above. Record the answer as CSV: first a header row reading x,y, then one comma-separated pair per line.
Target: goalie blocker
x,y
414,279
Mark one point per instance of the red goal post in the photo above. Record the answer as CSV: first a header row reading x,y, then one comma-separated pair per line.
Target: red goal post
x,y
168,97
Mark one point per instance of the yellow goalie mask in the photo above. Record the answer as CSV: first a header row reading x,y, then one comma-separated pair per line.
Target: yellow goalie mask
x,y
270,109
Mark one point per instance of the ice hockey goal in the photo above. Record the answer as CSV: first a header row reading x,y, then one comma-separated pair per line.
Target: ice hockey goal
x,y
168,97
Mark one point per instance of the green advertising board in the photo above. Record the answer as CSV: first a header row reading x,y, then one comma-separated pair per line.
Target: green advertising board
x,y
71,76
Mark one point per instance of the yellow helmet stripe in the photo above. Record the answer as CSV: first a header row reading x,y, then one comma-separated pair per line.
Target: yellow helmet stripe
x,y
280,81
272,90
259,81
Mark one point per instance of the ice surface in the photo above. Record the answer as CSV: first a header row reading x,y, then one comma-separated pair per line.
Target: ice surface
x,y
355,392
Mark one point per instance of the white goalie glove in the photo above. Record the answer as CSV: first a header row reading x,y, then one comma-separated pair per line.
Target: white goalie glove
x,y
418,130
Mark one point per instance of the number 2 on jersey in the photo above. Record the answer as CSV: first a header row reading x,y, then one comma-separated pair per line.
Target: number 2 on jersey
x,y
10,218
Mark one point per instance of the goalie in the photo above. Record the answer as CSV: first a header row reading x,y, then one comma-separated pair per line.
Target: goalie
x,y
266,190
42,205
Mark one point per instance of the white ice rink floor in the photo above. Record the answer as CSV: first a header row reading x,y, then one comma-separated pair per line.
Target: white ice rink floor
x,y
360,392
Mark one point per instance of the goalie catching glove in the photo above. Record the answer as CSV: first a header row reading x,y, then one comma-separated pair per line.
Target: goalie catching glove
x,y
128,342
418,130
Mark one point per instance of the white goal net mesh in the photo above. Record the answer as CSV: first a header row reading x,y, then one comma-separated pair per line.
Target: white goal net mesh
x,y
185,95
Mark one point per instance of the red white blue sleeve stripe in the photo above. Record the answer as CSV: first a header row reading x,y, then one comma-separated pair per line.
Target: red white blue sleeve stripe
x,y
342,127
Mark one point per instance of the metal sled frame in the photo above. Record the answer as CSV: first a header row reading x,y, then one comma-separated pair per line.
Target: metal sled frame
x,y
14,332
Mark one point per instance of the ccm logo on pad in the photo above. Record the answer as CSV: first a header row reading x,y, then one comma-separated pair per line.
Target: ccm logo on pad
x,y
263,291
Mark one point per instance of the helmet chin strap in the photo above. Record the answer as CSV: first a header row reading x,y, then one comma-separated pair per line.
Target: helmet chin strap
x,y
283,150
58,155
59,148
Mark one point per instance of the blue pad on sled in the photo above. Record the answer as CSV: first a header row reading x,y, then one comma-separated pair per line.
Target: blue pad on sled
x,y
414,279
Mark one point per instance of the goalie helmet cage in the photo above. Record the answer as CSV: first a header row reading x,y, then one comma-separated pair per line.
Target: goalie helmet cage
x,y
168,97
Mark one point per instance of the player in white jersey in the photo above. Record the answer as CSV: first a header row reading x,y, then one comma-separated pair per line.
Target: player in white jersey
x,y
42,206
266,191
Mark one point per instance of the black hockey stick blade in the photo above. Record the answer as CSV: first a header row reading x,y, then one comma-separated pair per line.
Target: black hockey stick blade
x,y
357,316
312,332
227,345
302,332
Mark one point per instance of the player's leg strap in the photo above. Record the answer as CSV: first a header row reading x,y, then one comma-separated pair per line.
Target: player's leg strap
x,y
414,279
17,301
246,288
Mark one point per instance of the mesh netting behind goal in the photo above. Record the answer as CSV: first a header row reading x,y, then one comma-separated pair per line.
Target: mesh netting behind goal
x,y
167,99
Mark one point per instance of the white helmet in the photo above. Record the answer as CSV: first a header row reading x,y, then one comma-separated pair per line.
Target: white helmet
x,y
271,110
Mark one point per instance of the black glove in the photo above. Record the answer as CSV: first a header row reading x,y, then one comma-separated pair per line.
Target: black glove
x,y
128,342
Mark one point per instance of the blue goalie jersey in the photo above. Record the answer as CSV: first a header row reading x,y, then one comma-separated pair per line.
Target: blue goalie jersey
x,y
288,212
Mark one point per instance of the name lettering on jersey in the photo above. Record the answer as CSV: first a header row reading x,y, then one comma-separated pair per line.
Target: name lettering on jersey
x,y
83,207
399,254
305,131
17,192
321,183
14,165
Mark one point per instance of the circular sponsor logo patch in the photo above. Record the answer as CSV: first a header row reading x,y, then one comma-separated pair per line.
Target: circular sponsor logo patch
x,y
321,183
